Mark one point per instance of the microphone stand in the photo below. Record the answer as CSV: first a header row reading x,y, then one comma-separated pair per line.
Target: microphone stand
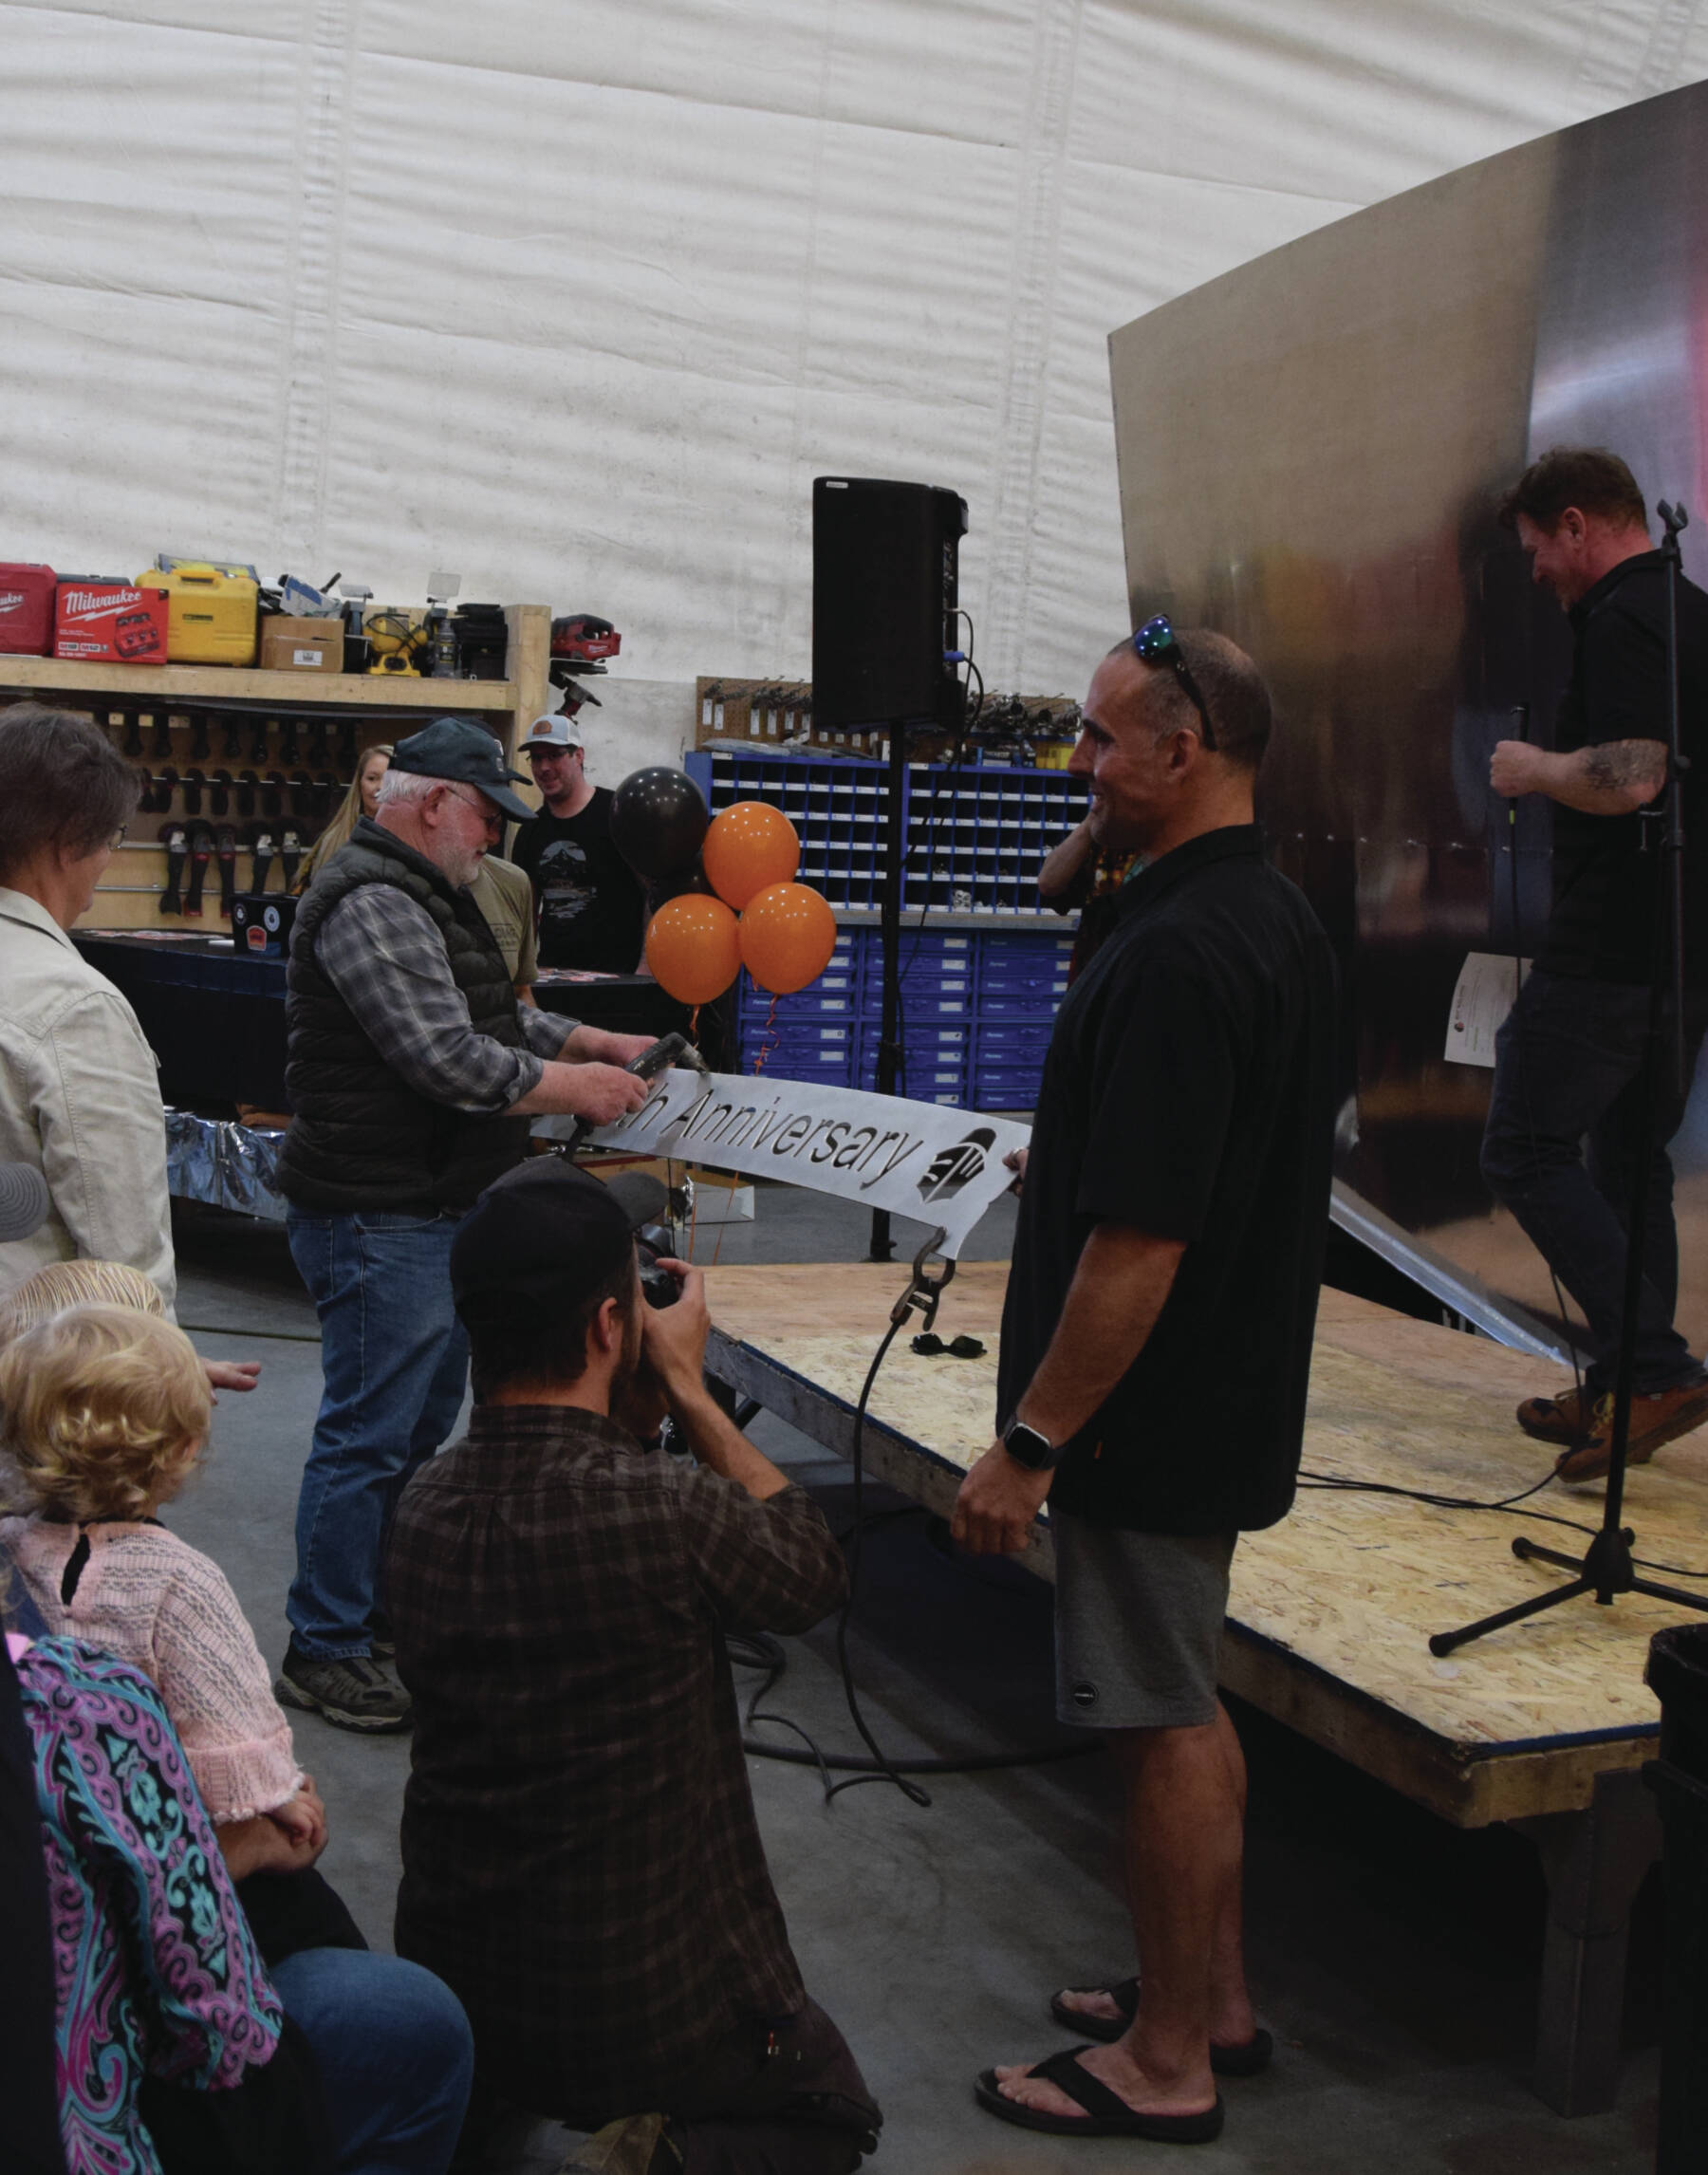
x,y
881,1247
1606,1570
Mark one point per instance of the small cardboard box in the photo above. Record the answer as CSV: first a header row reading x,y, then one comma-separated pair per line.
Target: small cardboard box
x,y
110,622
302,646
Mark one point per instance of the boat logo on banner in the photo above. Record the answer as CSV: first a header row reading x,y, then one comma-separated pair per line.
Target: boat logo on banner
x,y
952,1168
880,1150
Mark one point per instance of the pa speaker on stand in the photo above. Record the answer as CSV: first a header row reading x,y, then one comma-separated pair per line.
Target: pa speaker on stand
x,y
885,588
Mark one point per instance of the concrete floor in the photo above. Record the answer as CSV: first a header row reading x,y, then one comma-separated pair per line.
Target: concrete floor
x,y
1394,1958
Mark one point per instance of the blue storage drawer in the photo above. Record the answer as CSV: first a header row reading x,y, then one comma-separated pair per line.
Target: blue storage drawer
x,y
929,1040
1046,979
1003,1044
803,1006
832,1036
1004,1092
779,1066
1010,947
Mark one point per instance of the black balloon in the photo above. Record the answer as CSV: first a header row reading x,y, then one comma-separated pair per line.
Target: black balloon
x,y
659,820
678,884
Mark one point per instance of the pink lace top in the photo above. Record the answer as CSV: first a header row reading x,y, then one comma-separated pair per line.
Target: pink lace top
x,y
166,1609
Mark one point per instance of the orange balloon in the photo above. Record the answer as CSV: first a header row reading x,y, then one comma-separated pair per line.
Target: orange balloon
x,y
747,849
693,948
787,935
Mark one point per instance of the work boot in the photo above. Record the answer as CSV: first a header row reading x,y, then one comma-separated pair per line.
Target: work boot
x,y
1568,1419
1656,1416
636,2144
354,1693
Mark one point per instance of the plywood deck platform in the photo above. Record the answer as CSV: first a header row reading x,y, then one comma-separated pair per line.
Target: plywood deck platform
x,y
1332,1610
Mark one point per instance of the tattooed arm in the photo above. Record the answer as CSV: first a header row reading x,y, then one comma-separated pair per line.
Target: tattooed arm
x,y
1612,779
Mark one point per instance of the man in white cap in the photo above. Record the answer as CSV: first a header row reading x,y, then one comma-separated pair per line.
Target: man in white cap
x,y
590,903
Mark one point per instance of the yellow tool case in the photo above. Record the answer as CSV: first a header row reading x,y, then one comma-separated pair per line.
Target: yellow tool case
x,y
211,613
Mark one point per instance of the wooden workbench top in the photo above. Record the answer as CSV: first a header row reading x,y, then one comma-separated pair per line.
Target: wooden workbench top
x,y
1352,1584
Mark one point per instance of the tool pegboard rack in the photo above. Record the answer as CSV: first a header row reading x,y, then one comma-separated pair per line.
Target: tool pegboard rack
x,y
981,981
770,716
297,734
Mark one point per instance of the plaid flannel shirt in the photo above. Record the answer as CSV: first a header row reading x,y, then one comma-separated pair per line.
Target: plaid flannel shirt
x,y
385,958
581,1862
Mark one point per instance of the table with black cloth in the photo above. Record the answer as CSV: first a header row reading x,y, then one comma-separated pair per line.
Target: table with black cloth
x,y
214,1017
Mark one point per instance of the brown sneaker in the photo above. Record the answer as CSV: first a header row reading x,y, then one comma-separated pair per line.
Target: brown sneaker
x,y
1655,1418
1568,1419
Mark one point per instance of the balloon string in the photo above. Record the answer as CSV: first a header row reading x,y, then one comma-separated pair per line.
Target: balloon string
x,y
694,1027
770,1038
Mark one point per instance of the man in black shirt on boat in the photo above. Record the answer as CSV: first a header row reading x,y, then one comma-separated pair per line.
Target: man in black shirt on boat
x,y
1569,1061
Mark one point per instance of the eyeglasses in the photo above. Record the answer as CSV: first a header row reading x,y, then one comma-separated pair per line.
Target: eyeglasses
x,y
1157,643
491,816
928,1345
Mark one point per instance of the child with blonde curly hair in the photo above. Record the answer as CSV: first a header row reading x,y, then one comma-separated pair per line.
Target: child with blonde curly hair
x,y
104,1413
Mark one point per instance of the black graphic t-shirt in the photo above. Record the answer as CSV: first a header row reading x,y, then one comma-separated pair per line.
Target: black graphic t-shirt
x,y
1189,1093
587,897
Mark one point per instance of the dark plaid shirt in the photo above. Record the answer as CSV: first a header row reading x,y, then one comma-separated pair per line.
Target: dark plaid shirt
x,y
581,1862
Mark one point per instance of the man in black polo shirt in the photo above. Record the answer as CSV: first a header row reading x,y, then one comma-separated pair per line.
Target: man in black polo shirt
x,y
1569,1061
1156,1347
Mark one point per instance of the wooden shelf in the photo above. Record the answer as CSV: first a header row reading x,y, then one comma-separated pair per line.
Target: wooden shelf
x,y
374,697
209,682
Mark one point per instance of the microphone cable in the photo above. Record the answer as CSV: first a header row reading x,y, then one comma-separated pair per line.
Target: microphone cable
x,y
764,1652
1347,1485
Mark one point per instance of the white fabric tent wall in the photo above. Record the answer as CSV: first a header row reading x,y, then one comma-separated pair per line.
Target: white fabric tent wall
x,y
577,298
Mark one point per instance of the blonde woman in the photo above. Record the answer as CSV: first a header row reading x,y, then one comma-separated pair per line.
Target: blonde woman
x,y
361,800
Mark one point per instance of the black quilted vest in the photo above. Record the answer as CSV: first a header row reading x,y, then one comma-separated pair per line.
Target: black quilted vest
x,y
360,1139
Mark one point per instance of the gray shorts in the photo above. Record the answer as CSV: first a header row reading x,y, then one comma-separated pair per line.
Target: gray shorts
x,y
1138,1624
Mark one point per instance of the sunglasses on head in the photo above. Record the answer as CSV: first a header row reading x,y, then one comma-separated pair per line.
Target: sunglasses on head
x,y
1157,643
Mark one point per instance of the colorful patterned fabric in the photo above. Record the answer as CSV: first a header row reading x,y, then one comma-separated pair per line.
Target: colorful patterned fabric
x,y
155,1969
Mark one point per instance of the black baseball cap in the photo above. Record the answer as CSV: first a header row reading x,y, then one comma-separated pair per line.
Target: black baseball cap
x,y
548,1232
457,748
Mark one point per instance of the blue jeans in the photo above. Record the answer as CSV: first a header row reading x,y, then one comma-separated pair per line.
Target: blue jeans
x,y
394,2052
395,1362
1568,1074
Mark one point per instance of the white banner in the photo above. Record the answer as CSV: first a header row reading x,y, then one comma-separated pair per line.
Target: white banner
x,y
922,1160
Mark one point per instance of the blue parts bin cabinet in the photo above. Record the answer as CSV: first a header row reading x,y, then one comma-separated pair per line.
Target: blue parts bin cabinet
x,y
980,996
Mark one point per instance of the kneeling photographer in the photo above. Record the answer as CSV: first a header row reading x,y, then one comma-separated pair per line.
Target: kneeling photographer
x,y
581,1862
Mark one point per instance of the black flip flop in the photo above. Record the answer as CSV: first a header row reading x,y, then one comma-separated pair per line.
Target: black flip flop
x,y
1246,2060
1107,2113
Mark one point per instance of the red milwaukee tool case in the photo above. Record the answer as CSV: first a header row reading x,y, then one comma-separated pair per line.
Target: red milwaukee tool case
x,y
25,608
110,622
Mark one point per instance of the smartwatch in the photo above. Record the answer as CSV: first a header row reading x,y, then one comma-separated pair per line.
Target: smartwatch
x,y
1026,1447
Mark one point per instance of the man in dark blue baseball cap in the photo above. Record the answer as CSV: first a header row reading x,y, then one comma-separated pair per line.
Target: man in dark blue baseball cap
x,y
457,748
412,1074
